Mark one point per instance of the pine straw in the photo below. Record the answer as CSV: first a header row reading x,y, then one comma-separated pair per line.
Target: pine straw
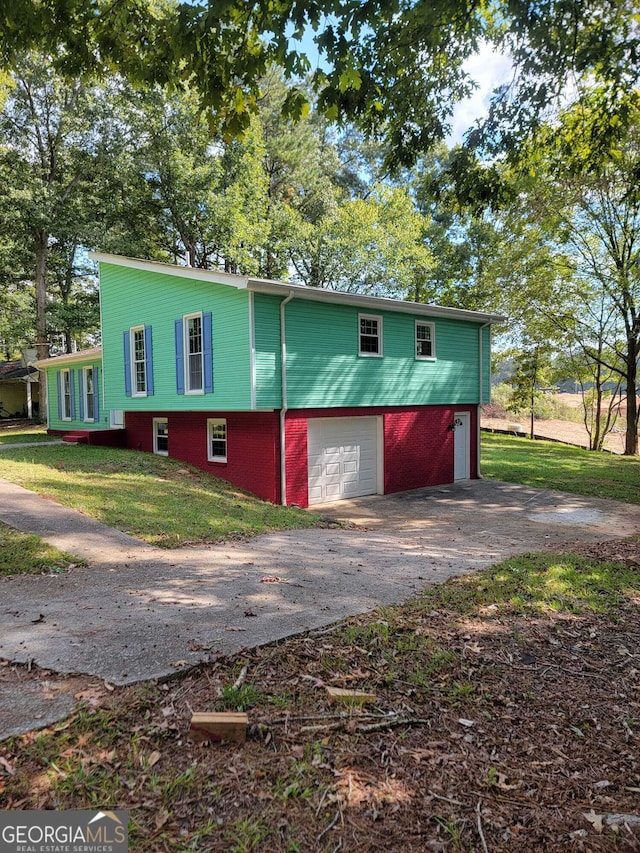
x,y
495,731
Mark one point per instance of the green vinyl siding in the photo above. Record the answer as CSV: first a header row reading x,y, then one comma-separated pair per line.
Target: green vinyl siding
x,y
131,297
75,368
324,368
267,350
486,364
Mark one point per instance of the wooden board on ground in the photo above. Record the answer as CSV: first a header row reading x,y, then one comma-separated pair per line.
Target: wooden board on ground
x,y
349,697
217,727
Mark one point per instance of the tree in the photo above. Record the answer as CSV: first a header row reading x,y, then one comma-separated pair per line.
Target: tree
x,y
395,68
61,161
533,364
591,224
372,246
47,132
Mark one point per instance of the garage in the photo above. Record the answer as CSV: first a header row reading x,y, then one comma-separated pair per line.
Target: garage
x,y
343,458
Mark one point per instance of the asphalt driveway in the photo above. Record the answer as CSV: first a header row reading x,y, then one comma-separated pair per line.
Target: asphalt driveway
x,y
138,612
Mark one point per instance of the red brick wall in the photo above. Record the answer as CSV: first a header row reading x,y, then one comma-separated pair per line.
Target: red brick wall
x,y
418,446
253,445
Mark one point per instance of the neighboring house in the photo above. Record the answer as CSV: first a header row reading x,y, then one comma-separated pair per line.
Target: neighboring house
x,y
299,395
19,387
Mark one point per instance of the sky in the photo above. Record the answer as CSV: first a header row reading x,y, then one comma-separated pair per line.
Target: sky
x,y
488,68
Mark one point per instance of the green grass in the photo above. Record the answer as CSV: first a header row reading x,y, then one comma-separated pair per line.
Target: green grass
x,y
22,553
160,500
21,434
539,583
549,465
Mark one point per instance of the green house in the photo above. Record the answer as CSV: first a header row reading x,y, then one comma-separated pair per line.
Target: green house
x,y
300,395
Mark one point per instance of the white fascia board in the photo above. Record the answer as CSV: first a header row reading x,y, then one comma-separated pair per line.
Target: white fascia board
x,y
70,358
300,291
193,273
371,303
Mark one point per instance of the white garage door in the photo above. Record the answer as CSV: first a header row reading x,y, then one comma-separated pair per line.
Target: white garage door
x,y
342,458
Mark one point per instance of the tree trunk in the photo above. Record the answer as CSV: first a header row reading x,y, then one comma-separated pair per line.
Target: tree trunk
x,y
42,345
631,437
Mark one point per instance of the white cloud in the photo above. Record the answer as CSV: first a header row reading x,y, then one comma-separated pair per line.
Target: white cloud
x,y
490,70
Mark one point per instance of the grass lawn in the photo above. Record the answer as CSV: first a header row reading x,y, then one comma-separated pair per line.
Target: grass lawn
x,y
163,501
549,465
22,553
506,718
19,433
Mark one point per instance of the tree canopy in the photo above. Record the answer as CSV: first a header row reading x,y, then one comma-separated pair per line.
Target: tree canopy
x,y
396,67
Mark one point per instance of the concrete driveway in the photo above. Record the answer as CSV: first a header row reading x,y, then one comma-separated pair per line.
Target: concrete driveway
x,y
139,612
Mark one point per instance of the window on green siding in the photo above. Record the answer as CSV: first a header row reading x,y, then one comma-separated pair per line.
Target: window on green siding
x,y
425,340
138,362
370,334
161,436
89,394
194,373
66,395
217,440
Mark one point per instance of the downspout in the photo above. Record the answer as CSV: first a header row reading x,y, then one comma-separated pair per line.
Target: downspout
x,y
284,407
480,392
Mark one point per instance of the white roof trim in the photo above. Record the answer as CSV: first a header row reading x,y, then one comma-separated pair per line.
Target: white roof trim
x,y
282,288
373,303
94,354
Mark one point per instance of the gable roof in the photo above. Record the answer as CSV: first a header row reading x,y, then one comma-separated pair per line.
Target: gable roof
x,y
94,353
297,290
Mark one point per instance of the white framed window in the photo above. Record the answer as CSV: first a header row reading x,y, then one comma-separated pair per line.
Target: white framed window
x,y
217,440
425,340
89,392
161,436
193,367
138,362
370,335
66,392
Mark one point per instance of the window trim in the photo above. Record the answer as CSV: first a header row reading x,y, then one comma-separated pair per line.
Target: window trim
x,y
185,337
432,326
66,372
378,319
135,392
85,394
157,421
212,422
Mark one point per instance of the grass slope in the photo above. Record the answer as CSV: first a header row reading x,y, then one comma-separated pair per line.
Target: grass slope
x,y
162,501
549,465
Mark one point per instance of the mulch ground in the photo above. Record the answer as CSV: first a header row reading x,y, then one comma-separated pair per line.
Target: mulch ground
x,y
490,732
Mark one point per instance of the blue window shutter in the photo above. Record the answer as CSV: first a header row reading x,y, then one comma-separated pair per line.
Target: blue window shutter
x,y
81,393
60,391
207,352
72,393
96,393
126,343
179,357
148,359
